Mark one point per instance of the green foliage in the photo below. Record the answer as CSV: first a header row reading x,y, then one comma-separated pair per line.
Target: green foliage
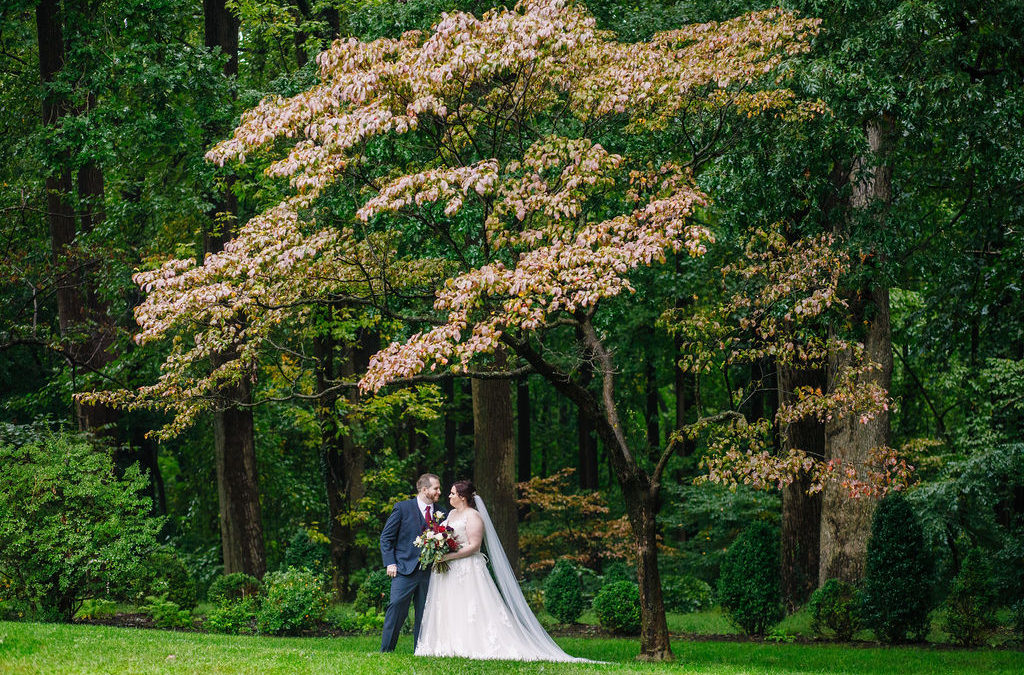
x,y
836,606
236,617
165,613
563,596
306,552
618,571
686,593
99,608
375,591
351,621
617,606
970,606
708,518
165,575
232,587
749,587
1017,613
69,529
295,600
898,576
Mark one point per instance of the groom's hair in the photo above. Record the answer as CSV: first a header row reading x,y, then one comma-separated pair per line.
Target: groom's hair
x,y
424,481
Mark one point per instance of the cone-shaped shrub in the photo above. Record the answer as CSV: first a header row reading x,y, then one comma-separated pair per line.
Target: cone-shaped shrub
x,y
749,585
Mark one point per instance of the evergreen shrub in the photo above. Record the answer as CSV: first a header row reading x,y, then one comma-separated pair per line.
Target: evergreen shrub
x,y
970,607
374,592
294,600
166,575
897,595
233,587
749,586
563,596
306,552
836,607
617,606
686,593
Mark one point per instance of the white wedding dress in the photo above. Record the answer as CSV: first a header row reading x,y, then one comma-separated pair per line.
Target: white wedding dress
x,y
466,615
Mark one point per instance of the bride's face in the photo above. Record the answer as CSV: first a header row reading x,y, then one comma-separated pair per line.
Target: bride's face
x,y
454,499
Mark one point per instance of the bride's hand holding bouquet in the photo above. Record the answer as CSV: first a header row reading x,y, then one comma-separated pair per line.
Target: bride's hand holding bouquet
x,y
435,543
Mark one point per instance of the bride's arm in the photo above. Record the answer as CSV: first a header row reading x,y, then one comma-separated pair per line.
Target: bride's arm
x,y
474,535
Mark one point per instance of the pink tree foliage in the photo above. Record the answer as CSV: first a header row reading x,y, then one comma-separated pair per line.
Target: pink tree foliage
x,y
514,169
782,302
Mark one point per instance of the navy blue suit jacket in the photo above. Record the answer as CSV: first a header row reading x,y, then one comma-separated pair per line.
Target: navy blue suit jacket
x,y
405,523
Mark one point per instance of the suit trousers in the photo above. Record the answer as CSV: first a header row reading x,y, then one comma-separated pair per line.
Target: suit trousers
x,y
405,588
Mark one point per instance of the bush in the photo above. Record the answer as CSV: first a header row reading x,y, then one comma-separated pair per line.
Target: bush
x,y
165,575
345,619
749,585
1017,611
305,552
617,606
618,571
295,600
836,606
99,608
970,606
236,617
686,594
563,596
68,527
166,614
233,587
374,592
898,575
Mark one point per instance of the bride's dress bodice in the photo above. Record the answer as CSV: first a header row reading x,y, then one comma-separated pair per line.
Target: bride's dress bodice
x,y
461,567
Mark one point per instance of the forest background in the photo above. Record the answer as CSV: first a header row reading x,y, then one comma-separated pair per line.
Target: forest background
x,y
912,175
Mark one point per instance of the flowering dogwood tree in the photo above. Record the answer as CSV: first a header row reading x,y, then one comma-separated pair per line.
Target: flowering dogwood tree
x,y
513,169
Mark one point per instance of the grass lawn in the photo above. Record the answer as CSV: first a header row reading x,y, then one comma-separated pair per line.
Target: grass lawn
x,y
55,648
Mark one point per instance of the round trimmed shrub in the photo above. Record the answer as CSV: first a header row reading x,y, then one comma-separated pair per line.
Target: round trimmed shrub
x,y
563,596
749,585
374,592
233,587
166,576
686,593
617,606
294,600
304,551
971,604
835,606
898,575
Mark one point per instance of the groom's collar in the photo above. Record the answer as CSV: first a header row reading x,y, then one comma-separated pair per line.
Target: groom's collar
x,y
422,504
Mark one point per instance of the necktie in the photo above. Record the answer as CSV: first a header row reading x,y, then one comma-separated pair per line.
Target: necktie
x,y
427,513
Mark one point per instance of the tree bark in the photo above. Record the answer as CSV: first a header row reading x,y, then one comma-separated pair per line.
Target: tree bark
x,y
241,527
846,522
524,457
640,491
342,459
450,432
801,512
494,463
586,443
234,441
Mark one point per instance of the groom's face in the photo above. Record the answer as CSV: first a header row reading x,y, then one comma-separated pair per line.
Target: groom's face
x,y
432,492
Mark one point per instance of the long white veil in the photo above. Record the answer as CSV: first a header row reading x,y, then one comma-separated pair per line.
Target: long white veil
x,y
513,595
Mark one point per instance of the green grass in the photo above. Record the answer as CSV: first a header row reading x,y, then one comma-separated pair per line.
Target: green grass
x,y
54,648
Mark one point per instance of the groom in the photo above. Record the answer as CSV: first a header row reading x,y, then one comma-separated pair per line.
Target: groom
x,y
408,580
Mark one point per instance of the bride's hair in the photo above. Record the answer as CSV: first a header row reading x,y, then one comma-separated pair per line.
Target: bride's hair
x,y
466,490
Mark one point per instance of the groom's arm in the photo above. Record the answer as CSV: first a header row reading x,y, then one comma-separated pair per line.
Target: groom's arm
x,y
388,538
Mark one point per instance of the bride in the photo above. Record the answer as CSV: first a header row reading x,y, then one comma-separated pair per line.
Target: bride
x,y
465,615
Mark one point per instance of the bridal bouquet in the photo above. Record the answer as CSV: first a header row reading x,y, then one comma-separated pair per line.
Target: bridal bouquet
x,y
434,542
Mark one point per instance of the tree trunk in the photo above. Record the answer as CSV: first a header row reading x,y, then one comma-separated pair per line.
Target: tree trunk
x,y
586,443
846,522
524,457
801,512
450,431
342,460
494,463
234,441
241,528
